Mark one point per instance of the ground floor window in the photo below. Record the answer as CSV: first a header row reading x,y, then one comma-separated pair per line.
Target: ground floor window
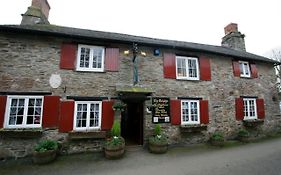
x,y
87,115
190,112
24,112
250,108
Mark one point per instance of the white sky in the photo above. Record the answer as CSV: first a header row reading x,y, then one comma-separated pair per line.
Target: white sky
x,y
199,21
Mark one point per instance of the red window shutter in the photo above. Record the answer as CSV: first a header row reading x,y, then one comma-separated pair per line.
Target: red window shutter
x,y
169,65
239,108
66,116
254,71
204,112
175,108
3,100
236,68
107,115
51,109
260,108
112,59
68,56
205,68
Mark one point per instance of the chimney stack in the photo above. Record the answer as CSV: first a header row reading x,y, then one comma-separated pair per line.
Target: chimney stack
x,y
37,13
233,38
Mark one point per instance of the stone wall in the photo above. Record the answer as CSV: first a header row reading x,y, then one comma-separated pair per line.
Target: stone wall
x,y
27,62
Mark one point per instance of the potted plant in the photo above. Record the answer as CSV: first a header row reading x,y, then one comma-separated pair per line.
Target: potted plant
x,y
217,139
158,142
45,152
243,135
115,146
118,106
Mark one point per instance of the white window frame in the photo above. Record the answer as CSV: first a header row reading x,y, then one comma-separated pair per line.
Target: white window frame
x,y
189,122
247,101
90,68
244,67
26,100
88,116
187,77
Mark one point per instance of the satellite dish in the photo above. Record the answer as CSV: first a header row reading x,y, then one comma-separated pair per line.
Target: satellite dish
x,y
55,81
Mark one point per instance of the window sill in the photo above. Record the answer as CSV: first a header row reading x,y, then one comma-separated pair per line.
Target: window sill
x,y
21,133
252,122
193,128
77,135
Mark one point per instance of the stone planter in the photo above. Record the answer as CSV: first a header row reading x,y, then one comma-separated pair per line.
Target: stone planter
x,y
115,152
157,148
44,157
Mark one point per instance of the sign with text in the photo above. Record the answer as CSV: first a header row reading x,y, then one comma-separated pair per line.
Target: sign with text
x,y
160,110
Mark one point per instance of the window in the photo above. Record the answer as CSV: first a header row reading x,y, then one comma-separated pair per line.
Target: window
x,y
87,115
90,58
24,112
244,69
187,68
190,112
250,108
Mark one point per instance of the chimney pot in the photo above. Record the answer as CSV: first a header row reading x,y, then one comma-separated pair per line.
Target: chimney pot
x,y
232,27
43,5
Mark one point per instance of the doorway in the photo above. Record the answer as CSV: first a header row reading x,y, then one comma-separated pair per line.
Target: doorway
x,y
132,123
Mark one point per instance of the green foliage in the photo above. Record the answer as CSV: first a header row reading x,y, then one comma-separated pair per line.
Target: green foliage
x,y
158,137
116,130
243,133
118,106
115,142
46,145
217,136
157,130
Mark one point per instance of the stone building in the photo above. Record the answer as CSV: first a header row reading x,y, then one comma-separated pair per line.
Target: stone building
x,y
60,83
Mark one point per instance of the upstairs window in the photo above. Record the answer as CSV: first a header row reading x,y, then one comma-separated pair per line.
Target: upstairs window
x,y
90,58
187,68
190,112
250,108
87,115
244,69
24,112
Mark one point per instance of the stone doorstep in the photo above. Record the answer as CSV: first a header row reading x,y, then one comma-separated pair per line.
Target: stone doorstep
x,y
74,135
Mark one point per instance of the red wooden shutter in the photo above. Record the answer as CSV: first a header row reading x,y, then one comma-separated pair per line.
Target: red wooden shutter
x,y
3,100
169,65
205,68
239,108
66,116
254,71
204,112
51,109
236,68
112,59
68,56
175,109
107,115
260,108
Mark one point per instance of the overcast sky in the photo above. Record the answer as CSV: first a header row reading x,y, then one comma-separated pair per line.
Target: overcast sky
x,y
199,21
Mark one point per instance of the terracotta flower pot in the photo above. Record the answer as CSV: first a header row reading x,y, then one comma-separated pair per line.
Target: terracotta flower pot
x,y
44,157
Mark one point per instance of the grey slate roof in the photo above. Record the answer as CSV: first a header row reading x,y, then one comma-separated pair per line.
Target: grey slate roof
x,y
124,38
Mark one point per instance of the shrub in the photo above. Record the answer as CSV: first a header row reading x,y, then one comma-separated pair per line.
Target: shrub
x,y
46,145
116,130
217,136
243,133
157,130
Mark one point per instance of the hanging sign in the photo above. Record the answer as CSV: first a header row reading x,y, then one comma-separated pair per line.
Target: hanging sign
x,y
160,110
